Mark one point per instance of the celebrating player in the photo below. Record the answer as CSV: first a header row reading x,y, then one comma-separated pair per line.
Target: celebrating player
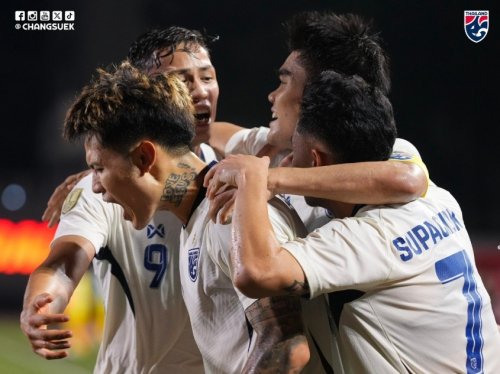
x,y
345,43
146,327
401,279
138,132
317,41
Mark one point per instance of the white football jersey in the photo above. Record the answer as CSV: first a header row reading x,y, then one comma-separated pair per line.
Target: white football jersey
x,y
217,309
207,153
146,327
404,288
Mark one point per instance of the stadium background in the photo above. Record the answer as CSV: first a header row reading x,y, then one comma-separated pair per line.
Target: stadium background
x,y
444,93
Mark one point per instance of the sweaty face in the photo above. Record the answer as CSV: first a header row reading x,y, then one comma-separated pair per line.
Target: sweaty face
x,y
286,100
118,180
196,70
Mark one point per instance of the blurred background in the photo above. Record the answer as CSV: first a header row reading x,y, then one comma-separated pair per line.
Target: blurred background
x,y
443,94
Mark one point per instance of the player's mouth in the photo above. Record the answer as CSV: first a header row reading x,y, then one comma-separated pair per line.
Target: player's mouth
x,y
202,121
202,118
274,116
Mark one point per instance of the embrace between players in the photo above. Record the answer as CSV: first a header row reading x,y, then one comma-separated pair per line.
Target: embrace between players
x,y
373,271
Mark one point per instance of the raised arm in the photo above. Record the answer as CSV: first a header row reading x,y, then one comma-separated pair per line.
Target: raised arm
x,y
48,293
380,182
220,133
261,267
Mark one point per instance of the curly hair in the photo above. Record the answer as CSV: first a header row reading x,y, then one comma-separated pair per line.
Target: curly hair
x,y
341,42
122,105
147,50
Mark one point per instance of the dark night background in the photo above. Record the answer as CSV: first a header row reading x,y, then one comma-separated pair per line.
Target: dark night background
x,y
444,86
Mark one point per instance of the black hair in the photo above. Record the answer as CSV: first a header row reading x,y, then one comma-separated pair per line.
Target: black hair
x,y
145,52
353,119
344,43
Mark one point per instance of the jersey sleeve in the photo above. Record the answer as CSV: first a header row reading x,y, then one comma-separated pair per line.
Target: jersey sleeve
x,y
352,253
247,141
404,151
85,214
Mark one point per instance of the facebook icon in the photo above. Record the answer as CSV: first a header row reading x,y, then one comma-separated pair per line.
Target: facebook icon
x,y
20,16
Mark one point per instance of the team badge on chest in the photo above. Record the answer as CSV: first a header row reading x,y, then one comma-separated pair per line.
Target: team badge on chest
x,y
193,260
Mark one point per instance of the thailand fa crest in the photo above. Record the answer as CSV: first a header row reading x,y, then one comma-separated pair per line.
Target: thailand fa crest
x,y
193,258
476,24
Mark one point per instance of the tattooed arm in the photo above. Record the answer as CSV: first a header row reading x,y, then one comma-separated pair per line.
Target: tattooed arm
x,y
281,345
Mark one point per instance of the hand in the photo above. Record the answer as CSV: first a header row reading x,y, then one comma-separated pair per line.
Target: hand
x,y
234,170
222,205
50,344
56,201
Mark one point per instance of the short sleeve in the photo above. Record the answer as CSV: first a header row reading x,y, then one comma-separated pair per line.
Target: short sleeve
x,y
85,214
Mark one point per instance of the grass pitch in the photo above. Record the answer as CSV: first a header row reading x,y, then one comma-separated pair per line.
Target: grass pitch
x,y
16,356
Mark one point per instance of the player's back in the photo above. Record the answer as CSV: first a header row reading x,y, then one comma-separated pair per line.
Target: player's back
x,y
432,312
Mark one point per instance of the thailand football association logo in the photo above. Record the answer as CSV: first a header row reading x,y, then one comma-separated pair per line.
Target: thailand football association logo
x,y
476,24
193,259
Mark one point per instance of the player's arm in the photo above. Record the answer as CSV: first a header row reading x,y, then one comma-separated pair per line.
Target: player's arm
x,y
48,292
281,345
260,266
56,201
378,182
220,133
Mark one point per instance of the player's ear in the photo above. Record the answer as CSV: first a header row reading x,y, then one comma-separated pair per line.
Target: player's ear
x,y
144,156
320,155
318,158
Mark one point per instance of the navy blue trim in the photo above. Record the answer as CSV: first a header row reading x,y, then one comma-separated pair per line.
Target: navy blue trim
x,y
250,332
338,299
105,254
356,209
202,192
324,362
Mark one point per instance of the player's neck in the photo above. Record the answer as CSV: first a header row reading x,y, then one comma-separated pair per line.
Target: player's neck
x,y
197,150
339,209
182,185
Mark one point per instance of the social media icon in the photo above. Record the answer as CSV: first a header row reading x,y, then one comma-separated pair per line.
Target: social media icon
x,y
32,15
57,15
69,15
20,15
44,15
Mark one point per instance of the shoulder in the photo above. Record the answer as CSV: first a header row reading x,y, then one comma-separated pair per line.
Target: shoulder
x,y
247,141
285,220
208,153
404,146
